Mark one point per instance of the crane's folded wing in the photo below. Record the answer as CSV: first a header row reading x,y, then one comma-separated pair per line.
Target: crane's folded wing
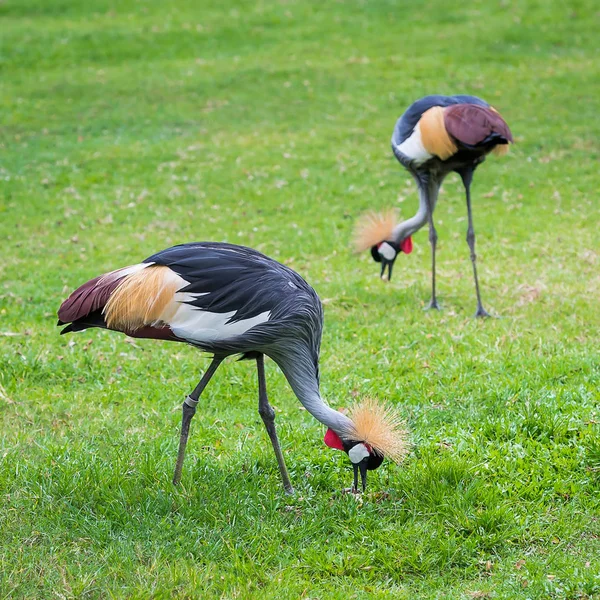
x,y
473,125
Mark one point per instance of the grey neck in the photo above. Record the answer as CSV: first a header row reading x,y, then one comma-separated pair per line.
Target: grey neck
x,y
300,370
428,193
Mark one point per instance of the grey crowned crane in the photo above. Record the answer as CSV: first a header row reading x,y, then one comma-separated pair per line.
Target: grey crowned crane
x,y
435,136
231,300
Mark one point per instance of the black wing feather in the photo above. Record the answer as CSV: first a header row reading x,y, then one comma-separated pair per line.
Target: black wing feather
x,y
234,279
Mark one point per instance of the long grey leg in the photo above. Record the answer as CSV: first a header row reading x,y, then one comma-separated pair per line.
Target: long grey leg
x,y
467,177
189,409
431,194
433,241
265,410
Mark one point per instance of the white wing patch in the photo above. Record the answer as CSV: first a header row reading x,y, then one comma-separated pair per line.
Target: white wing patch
x,y
197,325
413,148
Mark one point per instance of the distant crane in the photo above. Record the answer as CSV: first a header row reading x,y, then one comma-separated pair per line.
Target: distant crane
x,y
435,136
226,300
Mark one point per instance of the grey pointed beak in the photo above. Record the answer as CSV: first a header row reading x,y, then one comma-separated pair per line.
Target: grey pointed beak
x,y
389,264
362,467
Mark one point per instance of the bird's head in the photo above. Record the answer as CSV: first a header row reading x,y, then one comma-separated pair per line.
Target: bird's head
x,y
386,253
378,432
374,231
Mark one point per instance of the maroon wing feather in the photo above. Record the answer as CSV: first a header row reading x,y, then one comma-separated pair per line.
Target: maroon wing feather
x,y
91,296
79,308
472,124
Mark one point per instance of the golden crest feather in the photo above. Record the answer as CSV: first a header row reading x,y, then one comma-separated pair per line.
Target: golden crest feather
x,y
373,228
380,426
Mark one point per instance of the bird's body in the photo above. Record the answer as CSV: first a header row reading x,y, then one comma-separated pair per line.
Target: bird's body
x,y
223,299
434,137
433,129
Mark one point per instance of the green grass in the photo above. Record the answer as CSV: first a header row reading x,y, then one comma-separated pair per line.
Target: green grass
x,y
128,127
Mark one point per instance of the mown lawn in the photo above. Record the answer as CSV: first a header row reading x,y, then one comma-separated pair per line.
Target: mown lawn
x,y
130,126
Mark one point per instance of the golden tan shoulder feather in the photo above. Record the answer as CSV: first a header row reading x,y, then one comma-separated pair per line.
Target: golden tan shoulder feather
x,y
380,426
434,137
142,299
373,228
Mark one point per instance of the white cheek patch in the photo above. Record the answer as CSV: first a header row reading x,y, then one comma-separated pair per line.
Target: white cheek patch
x,y
357,453
386,251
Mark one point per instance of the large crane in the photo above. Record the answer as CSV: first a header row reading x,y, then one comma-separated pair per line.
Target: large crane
x,y
228,300
435,136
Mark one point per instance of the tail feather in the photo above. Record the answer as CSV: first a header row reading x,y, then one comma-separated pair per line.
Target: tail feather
x,y
136,300
95,319
501,149
93,295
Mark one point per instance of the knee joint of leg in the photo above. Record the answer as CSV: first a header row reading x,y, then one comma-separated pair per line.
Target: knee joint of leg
x,y
188,411
470,237
266,412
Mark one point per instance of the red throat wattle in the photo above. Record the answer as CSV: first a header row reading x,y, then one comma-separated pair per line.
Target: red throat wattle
x,y
332,439
406,245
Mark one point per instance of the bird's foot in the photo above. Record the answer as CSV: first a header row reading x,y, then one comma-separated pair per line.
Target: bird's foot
x,y
481,312
351,490
433,305
289,490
